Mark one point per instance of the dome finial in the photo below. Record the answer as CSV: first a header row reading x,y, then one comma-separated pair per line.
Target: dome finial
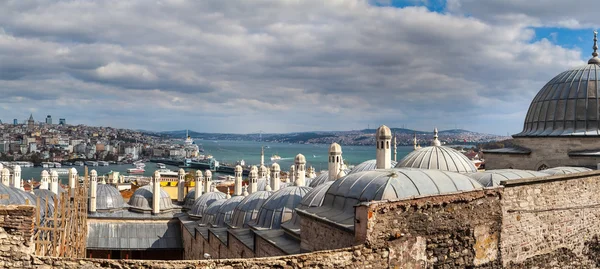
x,y
595,59
435,141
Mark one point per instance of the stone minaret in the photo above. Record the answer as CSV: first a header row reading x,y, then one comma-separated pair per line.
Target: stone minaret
x,y
395,148
207,181
156,193
54,182
43,181
73,179
181,185
238,173
292,174
198,183
300,163
16,182
6,176
262,172
335,160
435,141
275,170
253,178
93,188
384,152
262,156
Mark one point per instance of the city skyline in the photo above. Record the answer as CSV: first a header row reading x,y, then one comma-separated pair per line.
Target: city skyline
x,y
295,66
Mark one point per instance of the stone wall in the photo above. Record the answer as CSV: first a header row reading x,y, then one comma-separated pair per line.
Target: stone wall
x,y
447,231
555,218
266,249
16,234
237,248
319,235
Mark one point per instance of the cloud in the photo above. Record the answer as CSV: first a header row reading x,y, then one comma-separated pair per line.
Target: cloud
x,y
271,65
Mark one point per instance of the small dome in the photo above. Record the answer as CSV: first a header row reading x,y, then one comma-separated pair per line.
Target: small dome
x,y
198,173
46,196
247,209
238,168
491,178
141,200
279,207
275,167
203,202
226,210
314,198
181,171
53,173
300,159
438,158
262,169
322,178
60,188
262,184
108,198
17,168
384,132
367,166
190,199
44,173
335,148
15,196
93,173
210,214
563,170
73,170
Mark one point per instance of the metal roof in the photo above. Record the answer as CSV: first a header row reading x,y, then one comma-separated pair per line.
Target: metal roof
x,y
278,238
313,198
210,214
367,166
492,178
14,196
567,105
261,184
438,158
244,235
190,199
134,236
226,210
247,209
563,170
322,178
220,233
108,198
204,201
508,151
142,199
279,207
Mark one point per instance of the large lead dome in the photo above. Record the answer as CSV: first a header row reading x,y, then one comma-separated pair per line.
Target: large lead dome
x,y
568,104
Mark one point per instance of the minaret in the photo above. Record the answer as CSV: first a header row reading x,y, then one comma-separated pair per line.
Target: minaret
x,y
72,179
262,156
275,170
415,142
335,160
300,163
383,139
156,193
54,182
237,188
181,185
43,181
435,141
395,148
253,178
207,181
292,175
17,177
198,183
6,176
93,188
262,172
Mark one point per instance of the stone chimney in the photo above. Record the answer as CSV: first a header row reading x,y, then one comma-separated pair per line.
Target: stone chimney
x,y
54,182
207,181
6,176
198,183
292,175
17,176
73,180
300,163
180,186
335,160
43,182
384,151
275,169
237,188
156,193
253,178
93,189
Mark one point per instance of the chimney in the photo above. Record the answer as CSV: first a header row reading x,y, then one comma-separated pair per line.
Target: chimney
x,y
93,189
17,176
6,176
54,182
207,181
180,186
335,160
253,178
198,183
43,181
237,189
300,163
156,193
72,180
275,177
384,151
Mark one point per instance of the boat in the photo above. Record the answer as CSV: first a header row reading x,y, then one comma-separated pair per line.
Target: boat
x,y
139,164
57,165
275,157
102,163
161,166
137,170
60,171
68,164
78,163
45,165
167,172
91,163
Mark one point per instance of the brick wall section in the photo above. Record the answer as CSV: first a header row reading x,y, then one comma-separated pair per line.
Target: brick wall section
x,y
16,231
266,249
318,235
237,248
555,217
18,219
448,231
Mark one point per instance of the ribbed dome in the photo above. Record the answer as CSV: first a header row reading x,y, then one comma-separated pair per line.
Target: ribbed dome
x,y
261,184
313,198
203,202
46,196
567,105
279,207
108,198
563,170
226,210
438,158
141,200
247,209
210,214
190,199
322,178
367,166
15,196
491,178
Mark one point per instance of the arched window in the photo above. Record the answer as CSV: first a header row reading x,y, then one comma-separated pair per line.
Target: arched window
x,y
381,147
337,159
387,144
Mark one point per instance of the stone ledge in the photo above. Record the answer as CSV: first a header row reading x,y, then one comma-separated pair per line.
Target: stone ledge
x,y
547,179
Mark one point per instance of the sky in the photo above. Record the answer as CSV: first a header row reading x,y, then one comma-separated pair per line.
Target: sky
x,y
286,65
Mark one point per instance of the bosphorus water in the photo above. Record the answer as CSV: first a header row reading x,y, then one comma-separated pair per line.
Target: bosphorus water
x,y
249,151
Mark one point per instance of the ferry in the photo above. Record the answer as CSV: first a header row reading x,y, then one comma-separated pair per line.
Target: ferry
x,y
167,172
139,164
60,171
137,170
102,163
57,165
91,163
161,166
275,157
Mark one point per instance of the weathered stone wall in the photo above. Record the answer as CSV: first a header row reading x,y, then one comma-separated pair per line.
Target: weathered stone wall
x,y
318,235
237,248
548,151
448,231
266,249
16,231
555,218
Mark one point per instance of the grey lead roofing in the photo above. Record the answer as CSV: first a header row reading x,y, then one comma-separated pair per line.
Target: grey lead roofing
x,y
134,236
190,199
389,184
210,214
279,207
367,166
247,209
563,170
204,201
566,106
314,198
15,196
226,210
492,178
142,199
322,178
288,244
108,198
439,158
